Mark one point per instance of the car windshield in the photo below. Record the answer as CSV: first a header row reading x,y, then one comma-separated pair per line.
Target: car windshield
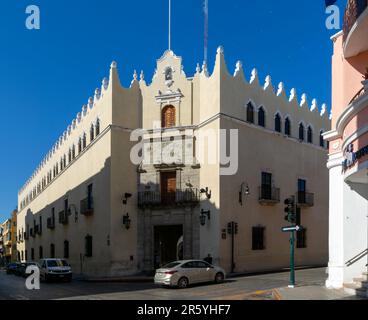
x,y
171,265
57,263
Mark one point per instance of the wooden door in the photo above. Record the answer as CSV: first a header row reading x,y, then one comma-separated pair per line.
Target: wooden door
x,y
168,117
168,186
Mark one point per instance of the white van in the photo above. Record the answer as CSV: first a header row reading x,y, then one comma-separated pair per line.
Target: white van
x,y
55,269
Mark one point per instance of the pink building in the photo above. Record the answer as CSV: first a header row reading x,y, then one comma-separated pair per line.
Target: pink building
x,y
348,158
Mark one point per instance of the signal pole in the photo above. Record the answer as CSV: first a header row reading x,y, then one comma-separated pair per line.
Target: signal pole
x,y
292,260
291,217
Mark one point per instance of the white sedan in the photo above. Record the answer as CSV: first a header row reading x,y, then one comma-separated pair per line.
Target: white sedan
x,y
183,273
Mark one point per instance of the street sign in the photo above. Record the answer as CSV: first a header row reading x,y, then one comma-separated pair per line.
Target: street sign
x,y
292,229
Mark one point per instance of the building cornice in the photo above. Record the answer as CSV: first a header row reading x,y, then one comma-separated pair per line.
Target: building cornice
x,y
353,109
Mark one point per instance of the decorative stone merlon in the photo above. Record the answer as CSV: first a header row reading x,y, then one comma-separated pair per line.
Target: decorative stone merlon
x,y
97,94
304,101
254,76
105,83
90,103
281,89
293,95
268,83
314,105
323,110
238,68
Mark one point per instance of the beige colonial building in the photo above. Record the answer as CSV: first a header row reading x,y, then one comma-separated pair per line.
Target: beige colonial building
x,y
217,148
8,240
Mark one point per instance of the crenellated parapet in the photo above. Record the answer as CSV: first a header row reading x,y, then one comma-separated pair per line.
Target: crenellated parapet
x,y
273,99
89,117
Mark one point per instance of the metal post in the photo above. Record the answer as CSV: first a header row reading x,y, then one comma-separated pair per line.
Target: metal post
x,y
292,259
232,246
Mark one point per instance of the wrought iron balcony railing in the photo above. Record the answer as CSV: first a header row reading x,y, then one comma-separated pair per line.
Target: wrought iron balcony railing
x,y
86,206
363,91
63,218
269,195
50,223
305,199
353,10
179,198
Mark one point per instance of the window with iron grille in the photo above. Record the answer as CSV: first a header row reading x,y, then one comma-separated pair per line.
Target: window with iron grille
x,y
88,246
66,249
301,239
52,250
258,238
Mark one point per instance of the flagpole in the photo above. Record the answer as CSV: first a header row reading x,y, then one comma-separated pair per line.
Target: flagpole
x,y
170,25
205,30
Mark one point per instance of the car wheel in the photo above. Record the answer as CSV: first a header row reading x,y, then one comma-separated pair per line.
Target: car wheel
x,y
219,277
183,283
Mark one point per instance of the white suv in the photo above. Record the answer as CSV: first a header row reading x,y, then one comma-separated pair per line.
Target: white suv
x,y
55,269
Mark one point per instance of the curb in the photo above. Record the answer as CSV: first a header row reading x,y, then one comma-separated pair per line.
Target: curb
x,y
119,280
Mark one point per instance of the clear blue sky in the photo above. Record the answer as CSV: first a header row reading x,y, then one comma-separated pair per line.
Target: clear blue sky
x,y
47,75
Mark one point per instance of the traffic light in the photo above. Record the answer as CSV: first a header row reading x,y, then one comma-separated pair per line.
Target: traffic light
x,y
236,227
290,210
230,228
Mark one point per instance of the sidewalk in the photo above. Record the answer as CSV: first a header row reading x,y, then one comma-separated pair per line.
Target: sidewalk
x,y
314,293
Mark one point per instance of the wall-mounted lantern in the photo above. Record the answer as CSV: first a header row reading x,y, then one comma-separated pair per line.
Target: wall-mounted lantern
x,y
207,192
203,216
127,221
125,198
244,191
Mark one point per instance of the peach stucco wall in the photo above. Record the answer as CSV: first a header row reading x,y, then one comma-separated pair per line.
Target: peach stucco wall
x,y
347,76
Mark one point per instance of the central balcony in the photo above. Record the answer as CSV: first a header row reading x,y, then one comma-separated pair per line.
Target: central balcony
x,y
179,198
268,195
86,207
355,27
305,199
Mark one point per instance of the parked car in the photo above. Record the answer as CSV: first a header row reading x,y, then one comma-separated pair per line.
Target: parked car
x,y
21,270
11,268
55,269
183,273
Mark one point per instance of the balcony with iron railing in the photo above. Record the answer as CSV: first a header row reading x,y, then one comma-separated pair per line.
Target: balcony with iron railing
x,y
268,195
50,223
63,217
355,27
86,206
179,198
305,199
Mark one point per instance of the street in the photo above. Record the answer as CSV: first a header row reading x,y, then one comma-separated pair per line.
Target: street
x,y
259,287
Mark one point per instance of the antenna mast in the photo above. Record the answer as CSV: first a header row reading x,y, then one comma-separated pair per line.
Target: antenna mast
x,y
205,30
